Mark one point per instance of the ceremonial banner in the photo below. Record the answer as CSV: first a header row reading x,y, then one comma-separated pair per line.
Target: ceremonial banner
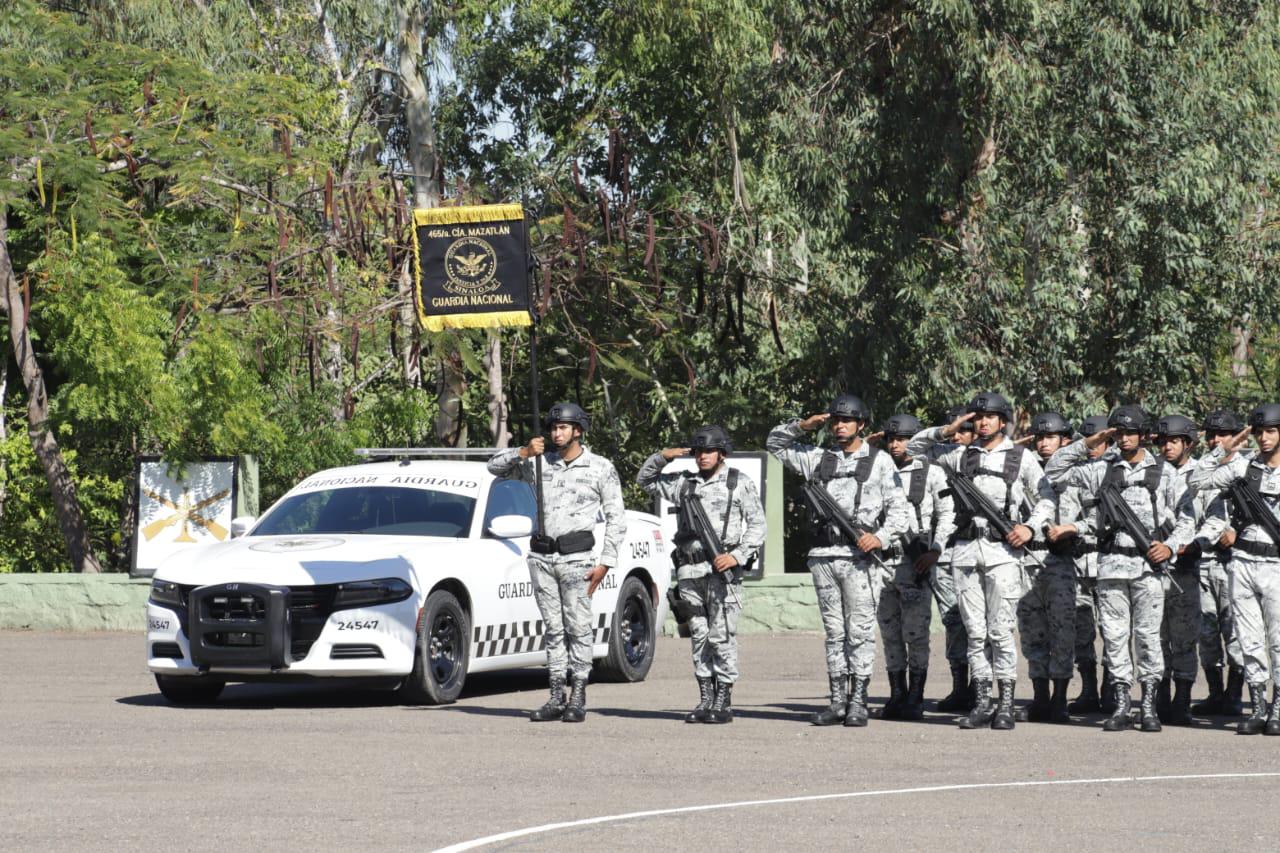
x,y
472,266
180,508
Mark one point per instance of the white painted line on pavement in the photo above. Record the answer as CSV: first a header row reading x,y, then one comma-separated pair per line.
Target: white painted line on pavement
x,y
929,789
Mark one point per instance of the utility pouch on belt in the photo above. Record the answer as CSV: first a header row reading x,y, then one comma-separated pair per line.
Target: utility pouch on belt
x,y
680,608
569,543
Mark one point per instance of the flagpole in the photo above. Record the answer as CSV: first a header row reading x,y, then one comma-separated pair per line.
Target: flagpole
x,y
531,263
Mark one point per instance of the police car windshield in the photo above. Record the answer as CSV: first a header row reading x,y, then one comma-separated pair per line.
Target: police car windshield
x,y
374,510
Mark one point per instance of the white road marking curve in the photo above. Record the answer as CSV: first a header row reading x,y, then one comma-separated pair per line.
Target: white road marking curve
x,y
927,789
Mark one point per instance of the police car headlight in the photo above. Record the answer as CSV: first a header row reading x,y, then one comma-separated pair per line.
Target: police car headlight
x,y
166,593
363,593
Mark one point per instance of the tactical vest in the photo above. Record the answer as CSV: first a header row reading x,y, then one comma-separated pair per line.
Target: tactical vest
x,y
915,494
827,471
690,490
1115,476
1253,482
971,467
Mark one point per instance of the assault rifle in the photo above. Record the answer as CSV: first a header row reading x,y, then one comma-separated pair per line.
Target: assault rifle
x,y
824,507
972,501
1255,510
1116,511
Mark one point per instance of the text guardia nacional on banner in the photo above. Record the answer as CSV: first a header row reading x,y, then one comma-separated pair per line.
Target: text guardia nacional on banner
x,y
472,267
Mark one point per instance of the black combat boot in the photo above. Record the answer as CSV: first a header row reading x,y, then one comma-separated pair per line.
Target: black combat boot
x,y
983,708
1107,693
576,710
1232,704
1180,705
914,707
1088,701
1003,719
960,698
1150,692
1119,719
706,695
834,713
1038,710
554,708
1163,700
1257,721
1058,702
856,714
722,706
892,709
1215,703
1273,718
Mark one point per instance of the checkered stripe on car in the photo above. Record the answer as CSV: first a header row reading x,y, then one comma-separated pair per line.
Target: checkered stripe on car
x,y
514,638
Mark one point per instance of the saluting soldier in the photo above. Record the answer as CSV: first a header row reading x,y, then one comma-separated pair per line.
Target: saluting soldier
x,y
1130,594
710,585
866,491
1255,556
984,564
1083,535
577,486
1046,611
906,606
960,699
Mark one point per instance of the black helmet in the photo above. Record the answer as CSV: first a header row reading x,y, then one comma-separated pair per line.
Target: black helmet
x,y
955,412
1093,424
1222,420
849,406
1267,415
1050,423
993,403
907,425
711,437
1176,426
1130,418
568,413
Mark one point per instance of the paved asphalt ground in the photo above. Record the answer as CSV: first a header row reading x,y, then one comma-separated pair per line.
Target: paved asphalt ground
x,y
91,758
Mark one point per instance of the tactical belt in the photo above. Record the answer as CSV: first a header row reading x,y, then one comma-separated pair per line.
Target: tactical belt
x,y
1124,551
970,533
1257,549
569,543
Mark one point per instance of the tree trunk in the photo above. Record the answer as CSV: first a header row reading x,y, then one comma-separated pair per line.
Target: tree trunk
x,y
1241,337
66,506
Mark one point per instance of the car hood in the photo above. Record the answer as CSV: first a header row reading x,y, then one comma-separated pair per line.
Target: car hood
x,y
309,559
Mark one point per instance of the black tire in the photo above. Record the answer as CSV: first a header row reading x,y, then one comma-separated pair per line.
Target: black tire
x,y
187,690
632,634
444,648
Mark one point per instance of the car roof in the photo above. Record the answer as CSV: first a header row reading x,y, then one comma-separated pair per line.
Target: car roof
x,y
449,474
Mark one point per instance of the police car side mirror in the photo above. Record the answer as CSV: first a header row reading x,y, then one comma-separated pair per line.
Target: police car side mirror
x,y
240,526
510,526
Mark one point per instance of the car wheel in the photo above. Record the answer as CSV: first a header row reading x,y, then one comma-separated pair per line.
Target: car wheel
x,y
440,664
632,635
190,689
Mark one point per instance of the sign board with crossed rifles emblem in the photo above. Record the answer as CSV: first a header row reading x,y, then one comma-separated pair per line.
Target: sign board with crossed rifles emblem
x,y
180,507
472,267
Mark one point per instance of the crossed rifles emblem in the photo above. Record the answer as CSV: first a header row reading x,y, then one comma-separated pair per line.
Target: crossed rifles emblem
x,y
185,512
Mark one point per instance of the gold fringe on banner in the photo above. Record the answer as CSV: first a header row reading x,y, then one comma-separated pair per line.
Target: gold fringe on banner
x,y
470,213
496,319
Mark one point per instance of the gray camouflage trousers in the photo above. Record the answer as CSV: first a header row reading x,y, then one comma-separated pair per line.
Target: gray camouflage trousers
x,y
944,593
1131,608
1255,601
847,593
988,598
905,612
560,589
713,631
1180,629
1086,621
1046,619
1217,623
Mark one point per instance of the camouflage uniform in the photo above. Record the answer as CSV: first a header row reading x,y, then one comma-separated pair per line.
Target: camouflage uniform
x,y
956,643
1046,612
906,609
1181,628
713,631
846,580
1255,578
986,571
574,494
1130,594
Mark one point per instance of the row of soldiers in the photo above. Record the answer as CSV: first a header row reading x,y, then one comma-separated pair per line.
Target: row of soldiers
x,y
1163,554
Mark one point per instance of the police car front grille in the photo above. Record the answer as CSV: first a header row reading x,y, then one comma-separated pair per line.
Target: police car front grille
x,y
309,610
353,651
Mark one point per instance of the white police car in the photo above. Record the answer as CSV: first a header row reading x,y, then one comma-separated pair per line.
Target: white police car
x,y
410,570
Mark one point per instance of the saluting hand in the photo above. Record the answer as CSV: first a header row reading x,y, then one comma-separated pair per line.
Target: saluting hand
x,y
1237,441
876,438
1026,439
674,453
954,427
535,447
1100,437
812,422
